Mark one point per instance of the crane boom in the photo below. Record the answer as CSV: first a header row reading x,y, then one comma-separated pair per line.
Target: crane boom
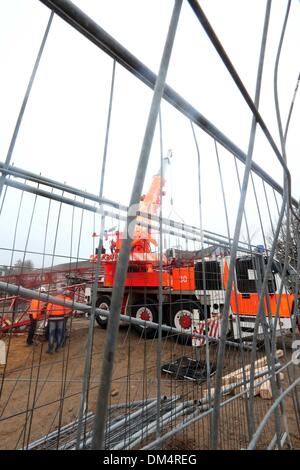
x,y
150,203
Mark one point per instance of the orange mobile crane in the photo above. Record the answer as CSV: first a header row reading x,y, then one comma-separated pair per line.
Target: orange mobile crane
x,y
188,284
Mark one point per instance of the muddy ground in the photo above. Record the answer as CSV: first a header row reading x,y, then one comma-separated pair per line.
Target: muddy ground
x,y
41,392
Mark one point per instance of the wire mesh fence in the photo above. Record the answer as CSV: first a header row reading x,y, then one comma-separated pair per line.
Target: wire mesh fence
x,y
124,327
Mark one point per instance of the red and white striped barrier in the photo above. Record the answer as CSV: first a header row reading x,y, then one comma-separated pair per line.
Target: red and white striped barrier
x,y
214,329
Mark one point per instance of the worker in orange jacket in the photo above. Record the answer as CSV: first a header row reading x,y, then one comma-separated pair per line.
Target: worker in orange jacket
x,y
35,311
56,315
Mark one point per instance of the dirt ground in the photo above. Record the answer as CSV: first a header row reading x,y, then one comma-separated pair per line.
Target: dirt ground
x,y
41,392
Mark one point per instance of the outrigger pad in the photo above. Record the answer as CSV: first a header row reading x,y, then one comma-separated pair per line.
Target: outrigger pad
x,y
187,368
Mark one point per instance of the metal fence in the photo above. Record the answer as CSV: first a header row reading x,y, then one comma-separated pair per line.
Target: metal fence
x,y
189,345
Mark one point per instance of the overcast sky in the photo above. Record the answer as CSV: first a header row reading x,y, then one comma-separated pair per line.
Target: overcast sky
x,y
63,131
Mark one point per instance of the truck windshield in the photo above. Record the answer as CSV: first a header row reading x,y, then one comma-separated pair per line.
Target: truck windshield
x,y
247,279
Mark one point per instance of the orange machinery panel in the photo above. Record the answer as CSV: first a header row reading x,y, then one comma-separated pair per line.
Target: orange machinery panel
x,y
138,278
183,279
248,304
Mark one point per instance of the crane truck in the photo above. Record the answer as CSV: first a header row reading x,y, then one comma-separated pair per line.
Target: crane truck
x,y
191,285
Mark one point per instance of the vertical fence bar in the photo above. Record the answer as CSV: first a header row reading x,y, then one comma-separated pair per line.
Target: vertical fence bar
x,y
118,289
160,292
239,218
205,309
89,349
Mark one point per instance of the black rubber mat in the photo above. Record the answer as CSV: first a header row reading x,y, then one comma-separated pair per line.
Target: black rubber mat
x,y
187,368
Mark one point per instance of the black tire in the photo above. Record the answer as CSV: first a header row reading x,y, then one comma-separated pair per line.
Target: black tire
x,y
145,309
102,302
180,317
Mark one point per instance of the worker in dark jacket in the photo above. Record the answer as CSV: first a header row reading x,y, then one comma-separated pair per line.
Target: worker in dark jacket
x,y
68,314
56,316
35,312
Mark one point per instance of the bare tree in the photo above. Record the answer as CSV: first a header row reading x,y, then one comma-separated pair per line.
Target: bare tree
x,y
23,266
287,240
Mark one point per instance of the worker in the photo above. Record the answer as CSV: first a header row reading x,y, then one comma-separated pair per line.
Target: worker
x,y
35,311
112,246
56,317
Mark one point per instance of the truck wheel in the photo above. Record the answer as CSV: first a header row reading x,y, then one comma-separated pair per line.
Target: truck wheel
x,y
102,302
145,309
181,314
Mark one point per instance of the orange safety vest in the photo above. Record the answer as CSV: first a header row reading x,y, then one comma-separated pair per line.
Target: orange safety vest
x,y
35,308
54,310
